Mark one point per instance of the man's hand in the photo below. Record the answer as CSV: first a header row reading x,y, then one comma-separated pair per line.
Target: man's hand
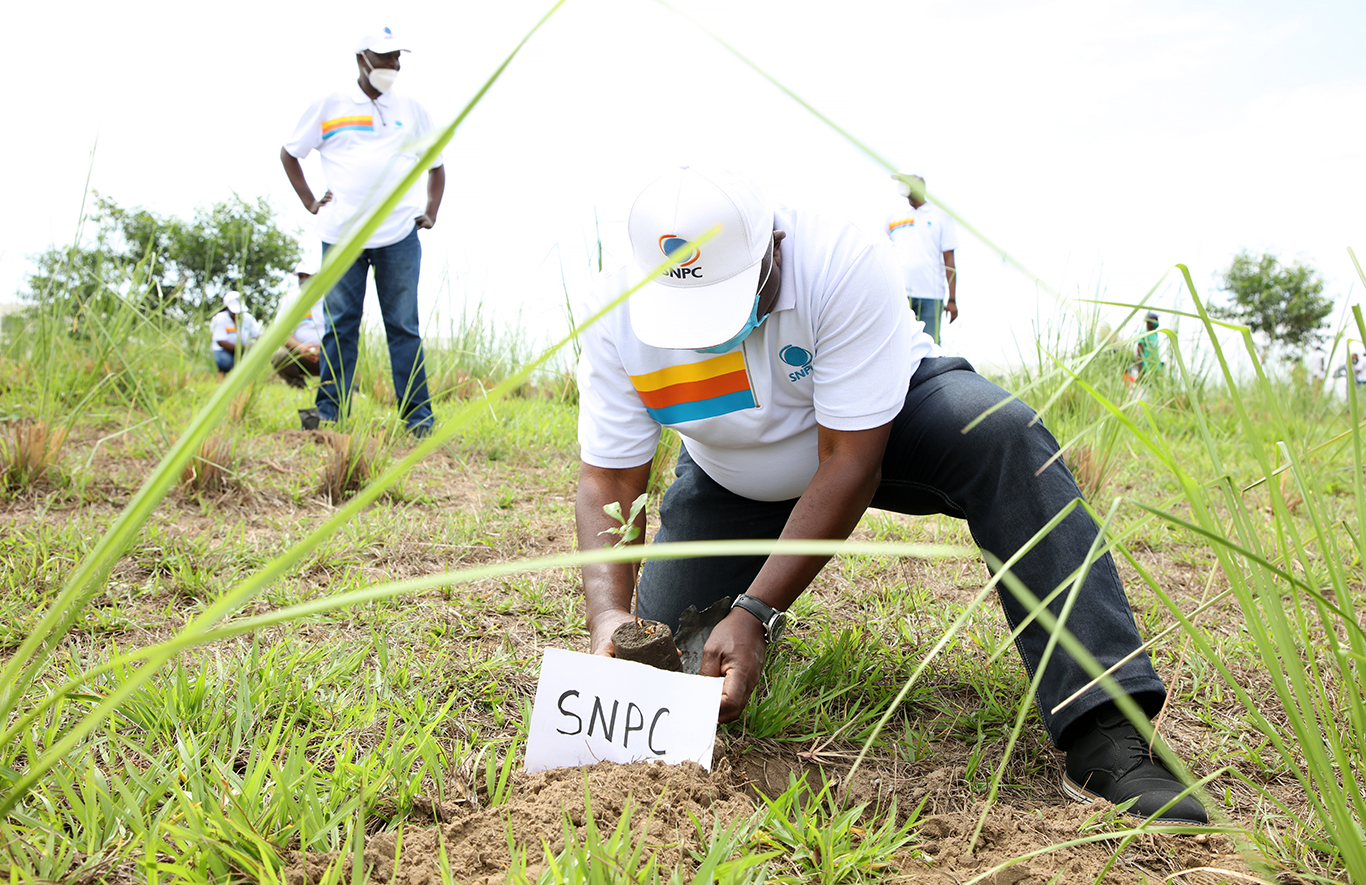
x,y
425,222
735,650
951,308
601,628
310,352
315,205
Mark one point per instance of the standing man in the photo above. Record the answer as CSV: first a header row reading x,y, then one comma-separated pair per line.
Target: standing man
x,y
231,330
782,352
925,240
368,138
300,357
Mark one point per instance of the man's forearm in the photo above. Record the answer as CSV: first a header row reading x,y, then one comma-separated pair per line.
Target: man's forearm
x,y
436,189
294,171
829,509
608,587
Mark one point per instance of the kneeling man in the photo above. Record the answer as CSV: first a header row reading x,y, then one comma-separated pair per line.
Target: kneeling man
x,y
782,352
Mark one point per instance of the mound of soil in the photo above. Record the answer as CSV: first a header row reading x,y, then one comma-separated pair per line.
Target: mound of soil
x,y
661,798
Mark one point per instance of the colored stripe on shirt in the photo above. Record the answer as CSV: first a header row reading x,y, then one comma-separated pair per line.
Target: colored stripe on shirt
x,y
694,391
894,226
348,124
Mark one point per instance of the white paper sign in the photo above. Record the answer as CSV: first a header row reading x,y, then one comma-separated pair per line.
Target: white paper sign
x,y
591,709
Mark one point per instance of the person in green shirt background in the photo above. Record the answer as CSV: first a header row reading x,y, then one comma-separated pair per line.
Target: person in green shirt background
x,y
1149,359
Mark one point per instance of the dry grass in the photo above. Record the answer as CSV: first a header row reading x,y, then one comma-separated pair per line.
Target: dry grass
x,y
349,465
241,406
382,390
213,470
29,453
1093,469
455,384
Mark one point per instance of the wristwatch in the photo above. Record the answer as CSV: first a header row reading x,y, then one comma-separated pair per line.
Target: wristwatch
x,y
774,621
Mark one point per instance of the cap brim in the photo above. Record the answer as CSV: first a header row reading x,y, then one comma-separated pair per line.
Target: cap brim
x,y
694,317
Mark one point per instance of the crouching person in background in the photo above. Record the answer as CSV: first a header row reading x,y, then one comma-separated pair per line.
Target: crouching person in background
x,y
232,330
301,355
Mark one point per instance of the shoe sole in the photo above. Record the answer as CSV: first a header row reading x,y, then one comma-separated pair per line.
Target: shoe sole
x,y
1086,797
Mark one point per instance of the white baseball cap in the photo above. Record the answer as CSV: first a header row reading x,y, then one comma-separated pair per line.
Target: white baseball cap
x,y
233,301
380,42
707,298
306,265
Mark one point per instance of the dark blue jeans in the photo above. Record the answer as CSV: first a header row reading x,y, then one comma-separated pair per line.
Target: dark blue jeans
x,y
929,311
987,477
396,272
224,360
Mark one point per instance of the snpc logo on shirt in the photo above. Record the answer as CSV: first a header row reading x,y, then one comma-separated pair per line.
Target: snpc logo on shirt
x,y
797,357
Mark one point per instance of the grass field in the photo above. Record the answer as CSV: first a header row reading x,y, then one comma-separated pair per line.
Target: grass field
x,y
290,668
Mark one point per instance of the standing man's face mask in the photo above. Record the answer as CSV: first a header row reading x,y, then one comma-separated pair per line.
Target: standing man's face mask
x,y
380,78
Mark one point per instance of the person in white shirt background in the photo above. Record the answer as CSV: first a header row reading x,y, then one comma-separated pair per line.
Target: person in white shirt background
x,y
369,137
925,240
232,330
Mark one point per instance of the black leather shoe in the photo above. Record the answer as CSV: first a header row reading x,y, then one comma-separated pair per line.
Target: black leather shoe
x,y
1112,762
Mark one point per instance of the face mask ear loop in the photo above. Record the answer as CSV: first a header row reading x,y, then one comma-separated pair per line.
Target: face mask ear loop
x,y
378,110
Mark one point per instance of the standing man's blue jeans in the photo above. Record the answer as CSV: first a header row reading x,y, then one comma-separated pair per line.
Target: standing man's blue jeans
x,y
396,273
929,311
989,476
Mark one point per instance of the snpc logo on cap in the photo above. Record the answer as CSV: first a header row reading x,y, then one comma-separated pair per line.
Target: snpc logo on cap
x,y
670,244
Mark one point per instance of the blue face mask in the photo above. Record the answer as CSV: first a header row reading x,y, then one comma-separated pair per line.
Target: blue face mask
x,y
754,321
750,325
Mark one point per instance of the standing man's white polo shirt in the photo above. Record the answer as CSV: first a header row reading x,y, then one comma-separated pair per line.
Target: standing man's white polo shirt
x,y
367,147
921,237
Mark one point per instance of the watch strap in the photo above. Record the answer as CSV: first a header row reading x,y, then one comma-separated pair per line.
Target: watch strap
x,y
757,607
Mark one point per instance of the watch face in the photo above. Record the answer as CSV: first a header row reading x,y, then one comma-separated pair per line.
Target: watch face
x,y
777,627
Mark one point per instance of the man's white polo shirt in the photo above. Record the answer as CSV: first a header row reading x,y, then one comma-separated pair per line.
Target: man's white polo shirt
x,y
222,327
921,237
366,148
313,326
838,349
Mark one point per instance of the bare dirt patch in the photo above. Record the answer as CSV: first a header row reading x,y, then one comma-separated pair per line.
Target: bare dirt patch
x,y
663,800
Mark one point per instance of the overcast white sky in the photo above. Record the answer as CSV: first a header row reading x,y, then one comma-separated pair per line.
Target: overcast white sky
x,y
1098,143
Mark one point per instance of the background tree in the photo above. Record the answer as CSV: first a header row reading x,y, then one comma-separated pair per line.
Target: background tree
x,y
181,269
1284,306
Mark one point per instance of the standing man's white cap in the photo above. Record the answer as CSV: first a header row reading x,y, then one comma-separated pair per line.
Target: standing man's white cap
x,y
380,42
707,298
